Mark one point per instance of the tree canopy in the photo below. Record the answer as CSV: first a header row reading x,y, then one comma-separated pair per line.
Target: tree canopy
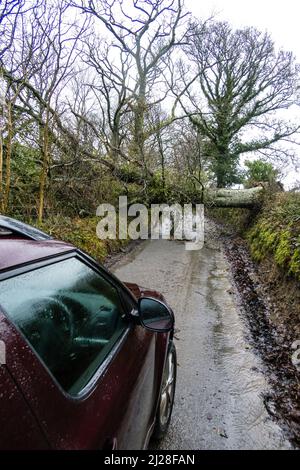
x,y
136,97
241,85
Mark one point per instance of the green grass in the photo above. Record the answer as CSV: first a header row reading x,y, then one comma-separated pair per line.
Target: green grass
x,y
273,232
234,217
81,232
276,233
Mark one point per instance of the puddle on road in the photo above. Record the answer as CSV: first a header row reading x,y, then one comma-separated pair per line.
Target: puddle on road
x,y
243,384
219,399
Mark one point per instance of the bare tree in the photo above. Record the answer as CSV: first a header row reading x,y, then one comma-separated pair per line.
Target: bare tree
x,y
10,98
10,11
52,50
17,59
191,157
109,72
9,7
242,83
146,33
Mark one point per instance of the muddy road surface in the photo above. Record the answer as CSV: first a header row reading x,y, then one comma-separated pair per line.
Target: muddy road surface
x,y
220,385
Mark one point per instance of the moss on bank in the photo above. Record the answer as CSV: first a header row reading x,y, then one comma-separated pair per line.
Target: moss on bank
x,y
273,231
276,232
236,218
81,232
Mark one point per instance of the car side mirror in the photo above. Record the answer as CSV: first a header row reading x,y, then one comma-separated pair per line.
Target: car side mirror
x,y
155,315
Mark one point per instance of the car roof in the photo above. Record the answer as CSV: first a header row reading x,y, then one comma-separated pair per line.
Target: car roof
x,y
10,226
21,243
18,251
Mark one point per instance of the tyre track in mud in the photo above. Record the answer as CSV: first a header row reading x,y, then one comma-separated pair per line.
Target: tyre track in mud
x,y
272,345
221,389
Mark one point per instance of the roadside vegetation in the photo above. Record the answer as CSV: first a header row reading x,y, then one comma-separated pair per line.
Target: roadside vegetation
x,y
81,232
272,230
108,105
276,233
97,101
138,98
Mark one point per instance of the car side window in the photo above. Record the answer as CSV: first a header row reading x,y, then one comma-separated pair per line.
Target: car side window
x,y
70,315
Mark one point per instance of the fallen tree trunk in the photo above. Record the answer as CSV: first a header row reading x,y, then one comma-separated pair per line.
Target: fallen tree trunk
x,y
243,198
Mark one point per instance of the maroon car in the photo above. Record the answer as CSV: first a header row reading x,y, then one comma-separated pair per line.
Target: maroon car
x,y
86,361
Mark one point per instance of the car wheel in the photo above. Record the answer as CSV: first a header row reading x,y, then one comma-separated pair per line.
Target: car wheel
x,y
166,400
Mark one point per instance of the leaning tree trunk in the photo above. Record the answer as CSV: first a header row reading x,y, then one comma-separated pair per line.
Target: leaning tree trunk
x,y
1,169
8,158
243,198
44,170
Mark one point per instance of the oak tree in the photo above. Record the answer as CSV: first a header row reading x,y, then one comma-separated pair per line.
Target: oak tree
x,y
242,84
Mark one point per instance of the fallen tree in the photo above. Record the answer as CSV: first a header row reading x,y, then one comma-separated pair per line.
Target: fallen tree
x,y
243,198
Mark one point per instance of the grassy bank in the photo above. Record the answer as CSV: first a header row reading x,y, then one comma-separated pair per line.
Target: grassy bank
x,y
234,219
82,233
272,233
272,238
275,233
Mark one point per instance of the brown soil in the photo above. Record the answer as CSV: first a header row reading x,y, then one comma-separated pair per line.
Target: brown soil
x,y
285,295
272,309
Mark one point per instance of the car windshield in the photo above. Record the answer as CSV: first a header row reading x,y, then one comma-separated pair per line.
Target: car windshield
x,y
70,315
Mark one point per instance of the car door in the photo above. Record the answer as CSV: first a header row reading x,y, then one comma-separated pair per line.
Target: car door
x,y
89,373
18,427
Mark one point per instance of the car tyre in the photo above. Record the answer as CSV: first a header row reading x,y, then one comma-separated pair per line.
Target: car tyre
x,y
167,394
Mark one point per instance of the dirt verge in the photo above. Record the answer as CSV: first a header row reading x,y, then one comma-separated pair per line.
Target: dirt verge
x,y
114,258
273,329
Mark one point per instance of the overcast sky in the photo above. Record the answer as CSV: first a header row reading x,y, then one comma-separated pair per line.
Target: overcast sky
x,y
281,18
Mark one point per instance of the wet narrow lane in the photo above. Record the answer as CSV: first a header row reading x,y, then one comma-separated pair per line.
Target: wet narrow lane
x,y
219,403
